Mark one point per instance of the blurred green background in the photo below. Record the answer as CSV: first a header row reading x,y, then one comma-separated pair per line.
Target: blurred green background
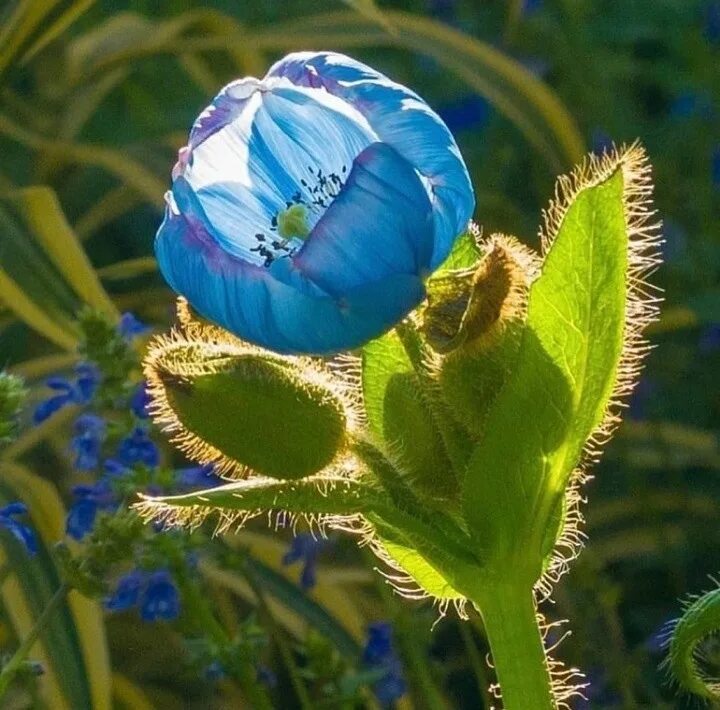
x,y
95,98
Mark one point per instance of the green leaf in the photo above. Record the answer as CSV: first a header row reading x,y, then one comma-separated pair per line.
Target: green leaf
x,y
567,368
31,25
398,415
292,598
700,620
423,572
464,255
46,222
73,644
30,283
315,495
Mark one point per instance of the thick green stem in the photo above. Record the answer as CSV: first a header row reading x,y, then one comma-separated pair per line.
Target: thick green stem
x,y
518,654
18,658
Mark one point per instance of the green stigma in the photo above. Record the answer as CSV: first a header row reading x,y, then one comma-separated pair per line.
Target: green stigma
x,y
293,222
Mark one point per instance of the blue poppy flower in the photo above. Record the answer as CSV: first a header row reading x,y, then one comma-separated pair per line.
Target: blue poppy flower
x,y
78,391
309,206
138,447
305,548
22,532
600,141
160,600
129,326
89,501
87,442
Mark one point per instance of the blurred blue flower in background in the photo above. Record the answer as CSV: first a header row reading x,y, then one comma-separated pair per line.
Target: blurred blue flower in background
x,y
712,22
130,327
197,477
309,206
600,141
715,168
87,442
306,548
470,112
155,593
380,654
78,391
710,339
22,532
138,447
88,501
139,401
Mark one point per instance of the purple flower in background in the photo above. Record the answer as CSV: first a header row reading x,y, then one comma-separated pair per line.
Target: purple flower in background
x,y
88,502
22,532
138,447
130,327
154,593
306,548
380,654
87,441
78,391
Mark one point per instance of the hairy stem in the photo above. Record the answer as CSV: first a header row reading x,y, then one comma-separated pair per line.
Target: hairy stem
x,y
20,656
518,654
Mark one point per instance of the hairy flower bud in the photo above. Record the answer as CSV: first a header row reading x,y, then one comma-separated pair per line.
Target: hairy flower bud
x,y
475,317
242,408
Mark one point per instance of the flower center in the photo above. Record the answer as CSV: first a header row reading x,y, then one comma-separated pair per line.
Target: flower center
x,y
290,227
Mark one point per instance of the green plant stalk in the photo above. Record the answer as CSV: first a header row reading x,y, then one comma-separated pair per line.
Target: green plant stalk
x,y
280,643
199,610
18,658
516,644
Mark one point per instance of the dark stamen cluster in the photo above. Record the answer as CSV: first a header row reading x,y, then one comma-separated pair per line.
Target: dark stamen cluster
x,y
321,190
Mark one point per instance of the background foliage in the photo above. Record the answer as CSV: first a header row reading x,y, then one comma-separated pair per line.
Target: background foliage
x,y
95,98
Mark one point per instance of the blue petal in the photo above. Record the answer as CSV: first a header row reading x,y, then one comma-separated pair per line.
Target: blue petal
x,y
14,508
379,226
126,593
81,518
291,316
402,119
252,163
160,600
22,533
46,409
